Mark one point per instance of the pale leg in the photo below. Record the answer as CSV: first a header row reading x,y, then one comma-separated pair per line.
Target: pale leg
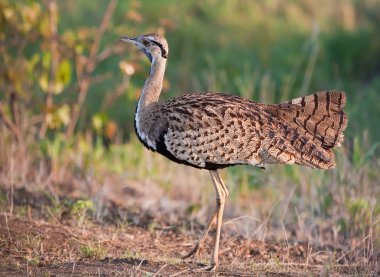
x,y
221,195
199,245
202,238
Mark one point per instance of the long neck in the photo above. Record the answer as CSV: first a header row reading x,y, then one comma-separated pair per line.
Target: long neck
x,y
153,85
145,113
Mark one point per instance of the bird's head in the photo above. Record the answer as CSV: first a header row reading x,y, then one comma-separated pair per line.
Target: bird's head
x,y
154,46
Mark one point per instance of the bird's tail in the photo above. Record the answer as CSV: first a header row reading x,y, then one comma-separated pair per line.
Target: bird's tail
x,y
320,118
320,114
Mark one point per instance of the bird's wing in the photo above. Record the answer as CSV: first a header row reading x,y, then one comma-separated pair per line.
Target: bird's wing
x,y
213,130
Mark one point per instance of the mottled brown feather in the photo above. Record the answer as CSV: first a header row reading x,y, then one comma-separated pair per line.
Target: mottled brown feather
x,y
222,130
321,115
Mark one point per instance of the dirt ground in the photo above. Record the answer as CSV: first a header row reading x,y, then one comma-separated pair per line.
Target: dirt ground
x,y
39,248
47,237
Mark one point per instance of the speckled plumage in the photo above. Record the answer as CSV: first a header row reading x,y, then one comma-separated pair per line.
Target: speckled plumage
x,y
215,130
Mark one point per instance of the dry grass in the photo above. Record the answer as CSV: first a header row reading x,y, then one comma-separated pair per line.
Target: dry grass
x,y
40,247
329,219
337,207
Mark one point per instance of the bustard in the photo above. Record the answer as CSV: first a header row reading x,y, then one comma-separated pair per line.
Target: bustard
x,y
214,130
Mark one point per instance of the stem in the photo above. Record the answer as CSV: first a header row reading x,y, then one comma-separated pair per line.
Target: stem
x,y
9,124
53,20
83,72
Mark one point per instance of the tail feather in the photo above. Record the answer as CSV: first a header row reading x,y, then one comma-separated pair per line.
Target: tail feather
x,y
321,115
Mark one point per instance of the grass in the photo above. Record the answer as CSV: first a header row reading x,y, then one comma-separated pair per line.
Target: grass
x,y
270,52
70,247
288,204
93,252
131,255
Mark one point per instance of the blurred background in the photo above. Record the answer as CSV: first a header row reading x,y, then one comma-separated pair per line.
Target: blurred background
x,y
68,91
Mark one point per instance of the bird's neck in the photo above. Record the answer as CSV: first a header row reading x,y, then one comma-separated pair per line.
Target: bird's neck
x,y
153,85
146,107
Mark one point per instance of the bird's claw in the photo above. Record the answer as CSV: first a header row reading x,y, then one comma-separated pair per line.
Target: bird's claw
x,y
193,252
210,268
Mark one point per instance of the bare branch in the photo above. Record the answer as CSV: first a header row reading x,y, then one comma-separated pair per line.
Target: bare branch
x,y
112,50
9,124
53,20
111,98
99,34
84,71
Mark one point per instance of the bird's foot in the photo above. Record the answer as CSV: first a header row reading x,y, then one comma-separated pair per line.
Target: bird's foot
x,y
193,252
211,268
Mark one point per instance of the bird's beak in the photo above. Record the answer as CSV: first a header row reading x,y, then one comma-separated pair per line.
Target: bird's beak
x,y
129,40
135,41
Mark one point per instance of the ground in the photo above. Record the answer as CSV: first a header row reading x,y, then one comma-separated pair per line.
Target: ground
x,y
37,247
51,244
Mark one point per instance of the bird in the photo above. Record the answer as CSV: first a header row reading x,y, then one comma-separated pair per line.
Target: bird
x,y
213,130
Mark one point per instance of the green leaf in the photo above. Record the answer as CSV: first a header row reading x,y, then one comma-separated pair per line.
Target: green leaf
x,y
44,82
63,76
46,60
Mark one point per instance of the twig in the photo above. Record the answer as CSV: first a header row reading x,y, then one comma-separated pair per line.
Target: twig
x,y
226,250
111,50
286,238
241,217
12,178
27,268
314,254
72,271
53,22
6,223
156,274
103,27
111,98
9,124
309,250
137,268
83,71
12,106
349,251
55,218
179,273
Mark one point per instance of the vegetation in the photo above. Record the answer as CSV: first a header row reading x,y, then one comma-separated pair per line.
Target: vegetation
x,y
68,92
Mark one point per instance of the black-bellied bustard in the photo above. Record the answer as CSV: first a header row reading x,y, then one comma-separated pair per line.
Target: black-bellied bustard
x,y
214,130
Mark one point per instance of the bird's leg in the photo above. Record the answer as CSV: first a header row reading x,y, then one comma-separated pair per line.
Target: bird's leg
x,y
202,238
226,193
221,196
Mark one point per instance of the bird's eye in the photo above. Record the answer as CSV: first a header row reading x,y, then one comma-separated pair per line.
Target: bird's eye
x,y
145,42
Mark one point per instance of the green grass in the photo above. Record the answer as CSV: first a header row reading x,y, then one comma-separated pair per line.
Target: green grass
x,y
267,51
93,252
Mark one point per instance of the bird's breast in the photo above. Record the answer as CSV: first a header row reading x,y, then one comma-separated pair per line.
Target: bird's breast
x,y
142,133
